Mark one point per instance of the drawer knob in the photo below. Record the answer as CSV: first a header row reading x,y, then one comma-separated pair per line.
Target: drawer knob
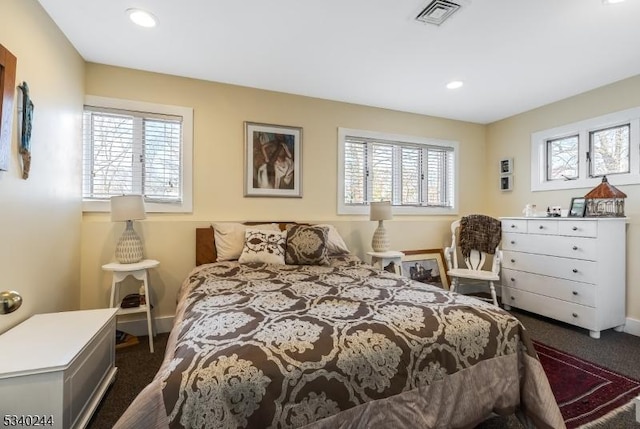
x,y
575,247
513,226
513,242
575,270
575,228
541,227
513,298
512,279
575,314
575,292
513,260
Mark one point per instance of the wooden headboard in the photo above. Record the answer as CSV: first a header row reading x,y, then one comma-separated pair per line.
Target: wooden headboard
x,y
205,245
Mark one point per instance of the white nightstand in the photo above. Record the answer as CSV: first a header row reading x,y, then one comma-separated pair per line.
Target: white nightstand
x,y
382,259
137,270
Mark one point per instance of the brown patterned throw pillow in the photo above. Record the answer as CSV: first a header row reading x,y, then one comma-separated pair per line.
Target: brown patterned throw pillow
x,y
263,246
307,245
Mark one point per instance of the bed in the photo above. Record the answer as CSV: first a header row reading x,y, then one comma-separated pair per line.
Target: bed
x,y
333,345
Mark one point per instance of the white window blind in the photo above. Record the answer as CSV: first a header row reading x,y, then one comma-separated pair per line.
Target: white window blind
x,y
407,174
131,152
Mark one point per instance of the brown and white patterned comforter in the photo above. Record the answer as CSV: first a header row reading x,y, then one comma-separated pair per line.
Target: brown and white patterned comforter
x,y
344,345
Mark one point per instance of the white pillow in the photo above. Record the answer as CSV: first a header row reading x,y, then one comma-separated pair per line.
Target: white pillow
x,y
335,243
267,247
229,238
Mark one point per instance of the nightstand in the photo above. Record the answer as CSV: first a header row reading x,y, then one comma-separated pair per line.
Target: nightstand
x,y
137,270
383,259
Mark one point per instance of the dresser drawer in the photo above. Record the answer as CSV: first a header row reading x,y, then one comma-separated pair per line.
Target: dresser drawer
x,y
514,225
574,314
566,290
579,270
578,228
553,245
542,226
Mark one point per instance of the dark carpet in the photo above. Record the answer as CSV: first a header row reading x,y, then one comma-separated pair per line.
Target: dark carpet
x,y
614,350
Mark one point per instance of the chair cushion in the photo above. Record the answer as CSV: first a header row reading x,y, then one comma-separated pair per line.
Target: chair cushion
x,y
473,274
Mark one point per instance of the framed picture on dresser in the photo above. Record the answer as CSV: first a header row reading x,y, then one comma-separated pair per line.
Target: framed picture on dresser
x,y
578,206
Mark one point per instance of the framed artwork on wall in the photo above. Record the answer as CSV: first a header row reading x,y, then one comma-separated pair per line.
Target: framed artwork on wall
x,y
273,160
7,92
426,266
506,166
506,182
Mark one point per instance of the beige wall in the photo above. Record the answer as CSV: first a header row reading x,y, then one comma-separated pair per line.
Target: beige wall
x,y
41,216
44,233
512,138
219,113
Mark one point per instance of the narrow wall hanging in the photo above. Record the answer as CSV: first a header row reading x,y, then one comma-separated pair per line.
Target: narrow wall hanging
x,y
25,130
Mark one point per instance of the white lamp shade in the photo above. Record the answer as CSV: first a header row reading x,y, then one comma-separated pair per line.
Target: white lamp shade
x,y
380,210
127,207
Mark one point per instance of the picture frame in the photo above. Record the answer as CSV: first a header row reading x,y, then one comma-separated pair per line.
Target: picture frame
x,y
506,166
273,160
426,266
7,93
392,267
578,206
506,183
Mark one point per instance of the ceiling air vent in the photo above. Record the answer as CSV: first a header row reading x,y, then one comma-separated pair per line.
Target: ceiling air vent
x,y
437,12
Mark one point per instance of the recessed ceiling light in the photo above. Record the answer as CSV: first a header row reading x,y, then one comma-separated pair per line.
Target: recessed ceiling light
x,y
455,84
612,1
142,18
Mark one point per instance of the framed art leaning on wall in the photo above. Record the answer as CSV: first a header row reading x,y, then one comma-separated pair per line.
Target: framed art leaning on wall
x,y
426,266
273,160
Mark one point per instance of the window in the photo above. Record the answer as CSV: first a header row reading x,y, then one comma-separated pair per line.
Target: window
x,y
609,151
579,154
137,148
416,174
563,158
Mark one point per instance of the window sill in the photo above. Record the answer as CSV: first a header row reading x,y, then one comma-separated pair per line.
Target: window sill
x,y
150,207
399,211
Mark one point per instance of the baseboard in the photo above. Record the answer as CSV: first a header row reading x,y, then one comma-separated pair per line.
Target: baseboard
x,y
632,326
139,327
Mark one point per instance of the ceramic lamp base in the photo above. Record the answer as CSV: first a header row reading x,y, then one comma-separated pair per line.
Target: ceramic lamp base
x,y
380,241
129,248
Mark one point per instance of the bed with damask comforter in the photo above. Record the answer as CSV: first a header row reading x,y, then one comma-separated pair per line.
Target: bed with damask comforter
x,y
344,345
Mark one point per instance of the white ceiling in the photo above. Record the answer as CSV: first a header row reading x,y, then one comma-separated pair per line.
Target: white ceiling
x,y
513,55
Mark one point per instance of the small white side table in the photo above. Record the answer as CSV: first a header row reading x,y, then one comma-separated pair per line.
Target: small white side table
x,y
139,271
382,259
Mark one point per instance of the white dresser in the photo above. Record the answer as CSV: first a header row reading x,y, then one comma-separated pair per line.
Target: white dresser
x,y
568,269
55,368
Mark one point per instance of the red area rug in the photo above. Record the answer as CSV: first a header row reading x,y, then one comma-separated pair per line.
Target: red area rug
x,y
584,391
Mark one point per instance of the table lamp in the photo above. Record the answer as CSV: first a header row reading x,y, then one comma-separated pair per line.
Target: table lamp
x,y
128,208
380,211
